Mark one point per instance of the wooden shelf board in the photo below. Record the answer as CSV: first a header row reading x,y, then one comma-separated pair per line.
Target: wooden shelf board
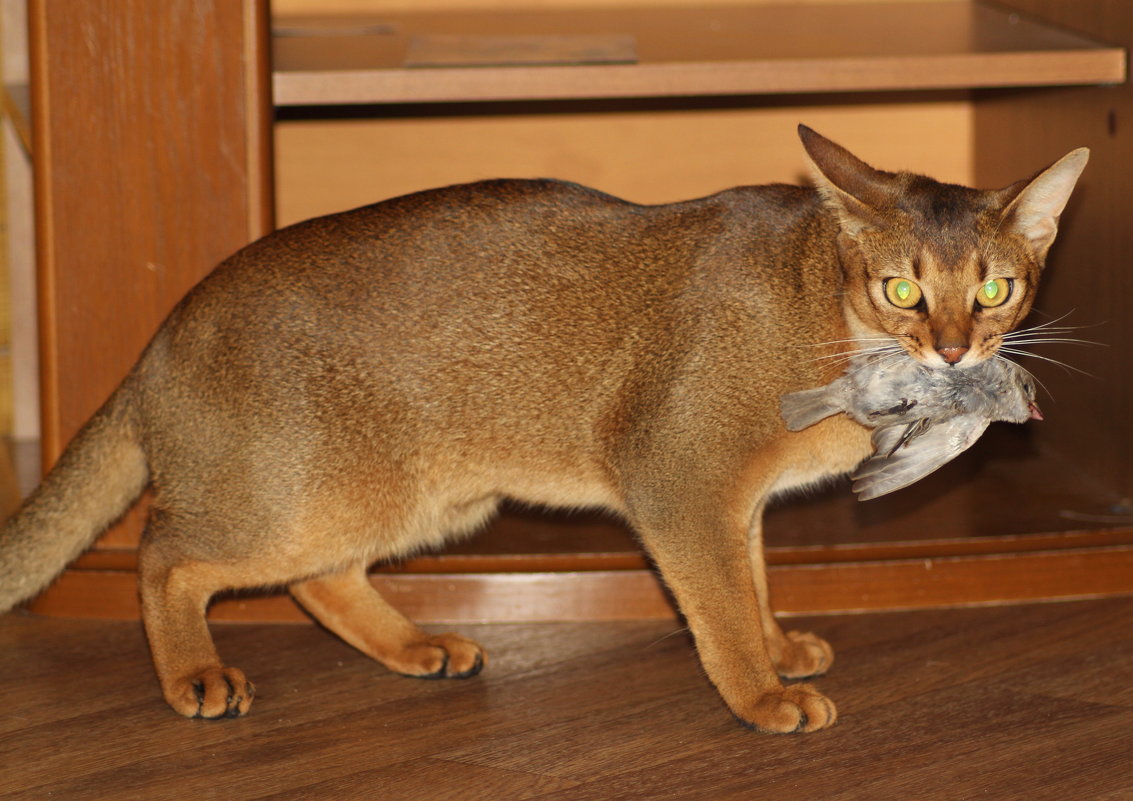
x,y
518,554
765,49
637,594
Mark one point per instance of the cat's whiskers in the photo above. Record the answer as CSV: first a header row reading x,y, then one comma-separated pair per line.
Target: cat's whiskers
x,y
1050,327
1048,333
1062,364
850,355
663,637
1054,320
846,341
872,357
1021,341
840,357
888,355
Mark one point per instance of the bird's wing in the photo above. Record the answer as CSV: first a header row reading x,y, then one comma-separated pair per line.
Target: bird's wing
x,y
941,444
887,440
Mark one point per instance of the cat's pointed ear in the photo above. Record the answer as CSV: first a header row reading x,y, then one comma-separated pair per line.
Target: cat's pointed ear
x,y
1034,206
853,189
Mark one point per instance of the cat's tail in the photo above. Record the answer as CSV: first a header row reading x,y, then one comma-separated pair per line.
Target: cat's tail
x,y
805,408
100,474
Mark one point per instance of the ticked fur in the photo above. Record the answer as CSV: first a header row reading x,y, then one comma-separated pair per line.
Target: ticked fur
x,y
364,385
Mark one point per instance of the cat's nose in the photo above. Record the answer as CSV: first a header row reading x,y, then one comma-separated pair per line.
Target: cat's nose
x,y
952,355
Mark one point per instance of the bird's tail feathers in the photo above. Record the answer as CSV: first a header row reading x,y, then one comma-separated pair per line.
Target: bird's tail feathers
x,y
805,408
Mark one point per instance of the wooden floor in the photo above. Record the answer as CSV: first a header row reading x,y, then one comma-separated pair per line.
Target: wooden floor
x,y
1029,702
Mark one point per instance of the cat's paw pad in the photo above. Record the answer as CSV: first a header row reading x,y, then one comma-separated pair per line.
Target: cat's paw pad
x,y
442,656
802,655
793,709
211,694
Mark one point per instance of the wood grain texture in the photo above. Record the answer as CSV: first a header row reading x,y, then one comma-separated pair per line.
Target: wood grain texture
x,y
1025,702
789,48
147,173
1087,282
636,594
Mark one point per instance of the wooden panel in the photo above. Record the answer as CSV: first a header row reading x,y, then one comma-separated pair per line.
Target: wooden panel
x,y
636,594
1088,276
648,154
525,556
710,50
151,165
21,395
286,8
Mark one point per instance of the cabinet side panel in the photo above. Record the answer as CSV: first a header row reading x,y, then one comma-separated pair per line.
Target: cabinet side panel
x,y
141,175
1088,277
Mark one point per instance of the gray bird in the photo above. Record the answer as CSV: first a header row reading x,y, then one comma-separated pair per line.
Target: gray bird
x,y
922,417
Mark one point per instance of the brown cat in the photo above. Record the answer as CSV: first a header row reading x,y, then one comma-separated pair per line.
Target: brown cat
x,y
366,384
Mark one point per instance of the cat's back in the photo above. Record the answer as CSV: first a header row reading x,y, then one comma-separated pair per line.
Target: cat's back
x,y
504,261
558,220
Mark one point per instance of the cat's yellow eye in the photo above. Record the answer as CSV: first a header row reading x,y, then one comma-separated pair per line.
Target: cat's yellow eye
x,y
902,293
994,292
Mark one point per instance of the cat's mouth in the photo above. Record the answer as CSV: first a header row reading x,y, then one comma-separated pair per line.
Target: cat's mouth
x,y
952,358
952,354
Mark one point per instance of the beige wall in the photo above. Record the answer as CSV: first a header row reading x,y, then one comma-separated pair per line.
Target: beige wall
x,y
655,156
282,8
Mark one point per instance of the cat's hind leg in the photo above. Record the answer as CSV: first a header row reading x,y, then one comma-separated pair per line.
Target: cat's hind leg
x,y
175,596
348,605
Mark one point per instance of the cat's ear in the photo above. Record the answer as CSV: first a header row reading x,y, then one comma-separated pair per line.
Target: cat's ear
x,y
1034,206
855,191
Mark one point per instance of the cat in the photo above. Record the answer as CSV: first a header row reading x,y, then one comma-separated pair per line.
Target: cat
x,y
360,386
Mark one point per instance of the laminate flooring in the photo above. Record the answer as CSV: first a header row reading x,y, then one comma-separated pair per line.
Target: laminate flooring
x,y
1028,702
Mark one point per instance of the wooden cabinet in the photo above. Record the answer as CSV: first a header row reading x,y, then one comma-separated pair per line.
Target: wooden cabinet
x,y
151,148
153,160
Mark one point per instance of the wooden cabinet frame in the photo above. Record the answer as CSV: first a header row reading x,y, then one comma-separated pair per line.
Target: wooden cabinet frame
x,y
152,152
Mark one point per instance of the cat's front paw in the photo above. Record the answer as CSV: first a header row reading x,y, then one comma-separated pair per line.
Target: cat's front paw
x,y
789,710
801,655
217,692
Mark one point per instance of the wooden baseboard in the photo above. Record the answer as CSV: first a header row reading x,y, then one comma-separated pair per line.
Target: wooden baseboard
x,y
637,594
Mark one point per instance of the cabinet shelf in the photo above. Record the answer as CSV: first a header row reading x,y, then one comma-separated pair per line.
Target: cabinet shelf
x,y
702,51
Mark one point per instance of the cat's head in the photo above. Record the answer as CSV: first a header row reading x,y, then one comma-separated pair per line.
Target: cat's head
x,y
945,270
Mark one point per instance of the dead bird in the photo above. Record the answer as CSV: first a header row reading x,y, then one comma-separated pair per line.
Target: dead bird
x,y
922,417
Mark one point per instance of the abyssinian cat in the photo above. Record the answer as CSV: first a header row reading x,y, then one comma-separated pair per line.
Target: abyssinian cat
x,y
359,386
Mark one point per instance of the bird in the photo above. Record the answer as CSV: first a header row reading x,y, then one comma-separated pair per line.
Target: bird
x,y
922,417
